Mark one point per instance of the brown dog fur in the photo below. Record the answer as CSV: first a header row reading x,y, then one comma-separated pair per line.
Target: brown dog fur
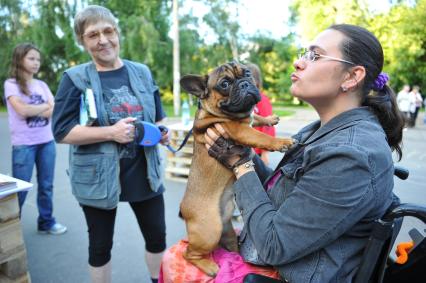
x,y
207,205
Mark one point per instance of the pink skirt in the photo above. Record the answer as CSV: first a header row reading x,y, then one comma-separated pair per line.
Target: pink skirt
x,y
175,269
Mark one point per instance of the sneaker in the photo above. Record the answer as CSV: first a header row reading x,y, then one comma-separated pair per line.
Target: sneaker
x,y
56,229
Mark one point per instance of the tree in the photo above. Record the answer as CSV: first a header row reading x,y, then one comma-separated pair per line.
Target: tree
x,y
403,37
144,29
12,22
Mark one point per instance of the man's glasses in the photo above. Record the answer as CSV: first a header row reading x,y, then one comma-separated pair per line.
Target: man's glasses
x,y
310,55
109,33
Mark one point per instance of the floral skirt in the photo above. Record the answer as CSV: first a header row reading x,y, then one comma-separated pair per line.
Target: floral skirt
x,y
175,269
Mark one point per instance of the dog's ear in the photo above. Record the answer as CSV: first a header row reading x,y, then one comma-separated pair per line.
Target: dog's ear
x,y
196,85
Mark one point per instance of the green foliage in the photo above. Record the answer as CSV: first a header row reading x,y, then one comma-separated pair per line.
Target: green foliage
x,y
145,27
274,57
400,30
314,16
403,36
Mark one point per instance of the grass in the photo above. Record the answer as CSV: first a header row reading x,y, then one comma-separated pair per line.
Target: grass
x,y
168,108
280,111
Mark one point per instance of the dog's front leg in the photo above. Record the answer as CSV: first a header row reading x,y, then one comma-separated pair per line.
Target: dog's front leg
x,y
246,135
259,121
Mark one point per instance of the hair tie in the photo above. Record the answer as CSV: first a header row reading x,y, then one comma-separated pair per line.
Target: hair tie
x,y
380,82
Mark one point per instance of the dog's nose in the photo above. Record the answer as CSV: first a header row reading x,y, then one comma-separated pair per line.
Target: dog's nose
x,y
244,85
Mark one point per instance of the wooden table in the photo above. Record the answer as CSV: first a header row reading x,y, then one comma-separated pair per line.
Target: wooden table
x,y
179,163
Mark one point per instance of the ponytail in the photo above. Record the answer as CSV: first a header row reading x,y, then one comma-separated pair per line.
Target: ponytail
x,y
384,106
362,48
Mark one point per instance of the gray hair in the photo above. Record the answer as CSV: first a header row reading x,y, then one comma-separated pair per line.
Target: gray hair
x,y
91,15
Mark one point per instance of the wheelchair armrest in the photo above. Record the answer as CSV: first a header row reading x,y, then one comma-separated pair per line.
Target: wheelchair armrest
x,y
401,172
406,209
257,278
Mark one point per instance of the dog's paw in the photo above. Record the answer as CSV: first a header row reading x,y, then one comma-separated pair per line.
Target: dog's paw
x,y
282,145
208,266
272,120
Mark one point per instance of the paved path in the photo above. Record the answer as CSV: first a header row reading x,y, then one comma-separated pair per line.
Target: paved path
x,y
62,259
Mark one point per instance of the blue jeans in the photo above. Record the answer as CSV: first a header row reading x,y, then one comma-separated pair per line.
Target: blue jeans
x,y
43,156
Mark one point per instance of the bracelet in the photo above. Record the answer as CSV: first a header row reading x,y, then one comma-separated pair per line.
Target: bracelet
x,y
247,165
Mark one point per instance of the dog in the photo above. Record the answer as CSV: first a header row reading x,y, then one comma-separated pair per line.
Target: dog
x,y
227,96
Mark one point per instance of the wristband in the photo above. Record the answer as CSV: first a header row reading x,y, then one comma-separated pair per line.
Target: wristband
x,y
249,164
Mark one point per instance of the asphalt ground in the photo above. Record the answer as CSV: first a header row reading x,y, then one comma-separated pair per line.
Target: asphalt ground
x,y
63,259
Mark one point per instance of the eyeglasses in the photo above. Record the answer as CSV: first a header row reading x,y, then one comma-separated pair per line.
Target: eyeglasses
x,y
94,36
310,55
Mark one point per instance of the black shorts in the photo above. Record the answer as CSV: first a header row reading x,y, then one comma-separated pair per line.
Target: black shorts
x,y
100,222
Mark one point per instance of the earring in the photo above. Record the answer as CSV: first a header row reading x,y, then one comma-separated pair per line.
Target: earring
x,y
344,89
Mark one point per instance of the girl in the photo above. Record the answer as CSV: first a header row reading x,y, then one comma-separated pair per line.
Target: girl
x,y
30,106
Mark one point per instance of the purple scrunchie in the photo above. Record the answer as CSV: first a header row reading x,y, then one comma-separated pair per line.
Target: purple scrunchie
x,y
380,82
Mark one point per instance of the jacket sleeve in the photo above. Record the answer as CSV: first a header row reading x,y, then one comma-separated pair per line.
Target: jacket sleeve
x,y
263,171
66,113
325,203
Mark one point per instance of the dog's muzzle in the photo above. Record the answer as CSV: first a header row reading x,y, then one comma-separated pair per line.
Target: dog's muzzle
x,y
242,99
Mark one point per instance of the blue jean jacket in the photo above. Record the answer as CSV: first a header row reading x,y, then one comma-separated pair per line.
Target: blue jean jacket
x,y
315,221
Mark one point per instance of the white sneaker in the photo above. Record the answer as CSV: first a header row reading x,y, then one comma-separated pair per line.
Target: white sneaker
x,y
56,229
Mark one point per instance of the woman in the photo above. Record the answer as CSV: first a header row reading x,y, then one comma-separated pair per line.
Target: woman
x,y
405,103
106,162
312,217
418,102
29,105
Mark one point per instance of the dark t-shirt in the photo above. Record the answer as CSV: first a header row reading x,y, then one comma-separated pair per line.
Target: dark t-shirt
x,y
120,102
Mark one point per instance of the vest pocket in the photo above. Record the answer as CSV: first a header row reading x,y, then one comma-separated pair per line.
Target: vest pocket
x,y
88,176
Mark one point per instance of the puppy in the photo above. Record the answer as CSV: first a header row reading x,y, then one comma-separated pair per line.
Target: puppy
x,y
227,96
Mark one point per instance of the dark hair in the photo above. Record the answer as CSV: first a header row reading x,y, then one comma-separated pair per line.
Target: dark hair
x,y
362,48
17,68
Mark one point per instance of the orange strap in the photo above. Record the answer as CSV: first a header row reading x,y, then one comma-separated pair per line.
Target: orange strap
x,y
402,250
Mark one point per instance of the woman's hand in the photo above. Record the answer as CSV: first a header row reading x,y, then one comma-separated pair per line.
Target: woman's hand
x,y
165,138
224,149
124,131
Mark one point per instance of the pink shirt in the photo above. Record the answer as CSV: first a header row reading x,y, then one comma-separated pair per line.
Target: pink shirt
x,y
30,130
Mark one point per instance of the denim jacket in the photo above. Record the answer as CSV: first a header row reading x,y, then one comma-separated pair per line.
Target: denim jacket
x,y
313,224
94,169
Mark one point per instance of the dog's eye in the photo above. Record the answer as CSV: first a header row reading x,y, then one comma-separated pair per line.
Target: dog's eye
x,y
224,84
247,73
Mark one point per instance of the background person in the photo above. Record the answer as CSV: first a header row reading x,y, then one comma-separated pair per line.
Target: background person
x,y
106,162
312,217
264,109
29,106
418,102
405,103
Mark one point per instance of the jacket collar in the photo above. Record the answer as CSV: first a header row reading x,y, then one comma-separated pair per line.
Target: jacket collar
x,y
314,131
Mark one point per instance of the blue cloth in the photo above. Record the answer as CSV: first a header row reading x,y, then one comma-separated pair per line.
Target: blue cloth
x,y
314,223
24,157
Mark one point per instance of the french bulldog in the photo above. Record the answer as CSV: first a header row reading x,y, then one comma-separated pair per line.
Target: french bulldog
x,y
227,96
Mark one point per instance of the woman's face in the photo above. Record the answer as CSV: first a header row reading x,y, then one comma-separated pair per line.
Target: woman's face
x,y
318,81
31,62
102,42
